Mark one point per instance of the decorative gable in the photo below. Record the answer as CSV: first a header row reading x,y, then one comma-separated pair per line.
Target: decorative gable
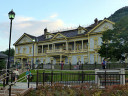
x,y
25,39
105,26
58,36
102,26
81,30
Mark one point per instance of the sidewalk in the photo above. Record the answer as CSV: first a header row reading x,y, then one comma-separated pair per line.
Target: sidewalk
x,y
24,85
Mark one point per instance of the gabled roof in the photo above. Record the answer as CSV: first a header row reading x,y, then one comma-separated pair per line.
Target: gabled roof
x,y
94,26
25,34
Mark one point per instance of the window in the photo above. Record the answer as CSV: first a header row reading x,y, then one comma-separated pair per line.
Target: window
x,y
24,50
39,49
18,50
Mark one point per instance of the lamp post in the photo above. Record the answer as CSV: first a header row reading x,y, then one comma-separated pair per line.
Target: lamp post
x,y
11,15
33,55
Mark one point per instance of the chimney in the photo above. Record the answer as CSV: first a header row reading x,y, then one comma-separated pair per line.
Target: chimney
x,y
105,18
96,21
45,31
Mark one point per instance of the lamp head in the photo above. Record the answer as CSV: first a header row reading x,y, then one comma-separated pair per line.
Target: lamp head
x,y
11,15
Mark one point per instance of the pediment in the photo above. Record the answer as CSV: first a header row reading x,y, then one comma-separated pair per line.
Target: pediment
x,y
102,26
105,26
23,39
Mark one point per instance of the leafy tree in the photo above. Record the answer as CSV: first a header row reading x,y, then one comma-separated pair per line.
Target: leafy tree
x,y
2,64
115,42
12,51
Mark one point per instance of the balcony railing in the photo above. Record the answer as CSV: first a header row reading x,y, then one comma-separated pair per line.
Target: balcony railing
x,y
65,51
55,51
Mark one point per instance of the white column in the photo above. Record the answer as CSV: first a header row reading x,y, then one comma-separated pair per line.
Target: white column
x,y
22,62
66,45
54,47
97,79
60,58
42,49
74,46
122,77
82,45
48,46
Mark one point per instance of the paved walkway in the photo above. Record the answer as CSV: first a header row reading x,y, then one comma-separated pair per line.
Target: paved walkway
x,y
24,85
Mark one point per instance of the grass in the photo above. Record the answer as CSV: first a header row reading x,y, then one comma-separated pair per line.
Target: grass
x,y
65,75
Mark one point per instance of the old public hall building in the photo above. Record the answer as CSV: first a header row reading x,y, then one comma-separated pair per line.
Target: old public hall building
x,y
70,46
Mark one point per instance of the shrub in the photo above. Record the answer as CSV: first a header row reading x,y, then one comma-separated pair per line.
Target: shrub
x,y
80,90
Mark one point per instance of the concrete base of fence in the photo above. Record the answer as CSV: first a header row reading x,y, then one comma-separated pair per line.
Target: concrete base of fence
x,y
109,76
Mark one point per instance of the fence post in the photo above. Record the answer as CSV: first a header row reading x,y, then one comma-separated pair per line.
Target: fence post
x,y
42,65
61,76
82,76
70,67
43,77
9,90
95,65
28,81
82,66
105,78
51,66
37,80
4,81
51,77
11,77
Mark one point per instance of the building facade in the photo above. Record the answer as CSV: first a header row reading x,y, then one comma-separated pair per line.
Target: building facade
x,y
70,46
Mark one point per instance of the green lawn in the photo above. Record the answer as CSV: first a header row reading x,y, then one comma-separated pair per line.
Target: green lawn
x,y
58,76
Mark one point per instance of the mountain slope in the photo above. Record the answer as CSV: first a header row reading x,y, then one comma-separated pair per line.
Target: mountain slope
x,y
119,14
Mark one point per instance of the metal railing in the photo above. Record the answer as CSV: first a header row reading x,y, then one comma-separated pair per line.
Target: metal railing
x,y
80,67
104,79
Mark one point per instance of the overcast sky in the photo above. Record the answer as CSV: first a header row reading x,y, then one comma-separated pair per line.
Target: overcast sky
x,y
32,16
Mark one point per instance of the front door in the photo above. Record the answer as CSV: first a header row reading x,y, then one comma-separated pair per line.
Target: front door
x,y
24,62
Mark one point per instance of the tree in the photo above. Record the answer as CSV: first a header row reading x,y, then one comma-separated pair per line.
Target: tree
x,y
2,64
12,51
115,42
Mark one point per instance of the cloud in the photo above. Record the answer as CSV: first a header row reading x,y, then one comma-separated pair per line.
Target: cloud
x,y
22,19
28,25
54,15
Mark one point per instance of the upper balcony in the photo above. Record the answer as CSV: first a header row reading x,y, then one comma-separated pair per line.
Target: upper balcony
x,y
65,51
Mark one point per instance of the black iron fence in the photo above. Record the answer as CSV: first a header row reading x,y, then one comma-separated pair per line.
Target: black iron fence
x,y
73,66
102,79
80,67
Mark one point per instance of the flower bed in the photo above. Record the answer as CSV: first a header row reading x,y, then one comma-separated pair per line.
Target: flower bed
x,y
79,90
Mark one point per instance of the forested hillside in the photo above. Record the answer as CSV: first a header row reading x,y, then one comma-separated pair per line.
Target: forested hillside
x,y
119,14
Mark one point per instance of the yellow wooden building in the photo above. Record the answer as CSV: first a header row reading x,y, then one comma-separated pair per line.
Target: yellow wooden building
x,y
70,46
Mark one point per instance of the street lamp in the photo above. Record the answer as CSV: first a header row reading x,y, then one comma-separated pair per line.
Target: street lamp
x,y
33,54
11,15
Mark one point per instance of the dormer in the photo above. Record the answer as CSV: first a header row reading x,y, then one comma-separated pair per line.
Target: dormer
x,y
81,30
47,34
